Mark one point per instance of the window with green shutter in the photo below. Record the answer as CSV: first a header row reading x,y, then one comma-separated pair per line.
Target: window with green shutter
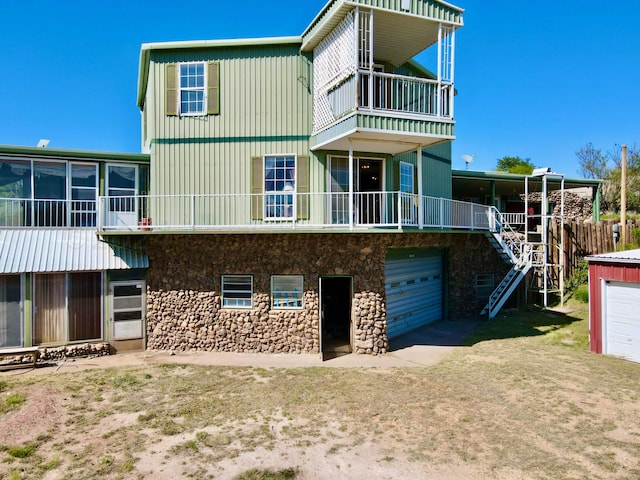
x,y
192,88
275,181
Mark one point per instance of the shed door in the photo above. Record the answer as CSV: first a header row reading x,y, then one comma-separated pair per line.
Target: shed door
x,y
414,292
621,320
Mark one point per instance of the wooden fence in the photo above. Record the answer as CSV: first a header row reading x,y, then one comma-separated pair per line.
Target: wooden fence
x,y
582,239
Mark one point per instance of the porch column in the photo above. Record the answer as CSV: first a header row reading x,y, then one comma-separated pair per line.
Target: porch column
x,y
420,192
492,193
351,216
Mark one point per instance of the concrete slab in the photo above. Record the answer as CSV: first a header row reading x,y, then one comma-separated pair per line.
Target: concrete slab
x,y
422,347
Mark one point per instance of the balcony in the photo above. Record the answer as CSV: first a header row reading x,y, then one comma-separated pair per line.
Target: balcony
x,y
284,212
369,93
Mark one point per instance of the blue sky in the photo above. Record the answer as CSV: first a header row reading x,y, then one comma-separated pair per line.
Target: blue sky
x,y
535,79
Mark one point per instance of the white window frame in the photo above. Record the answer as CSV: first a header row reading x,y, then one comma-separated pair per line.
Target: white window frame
x,y
407,165
293,299
225,293
70,188
286,211
202,89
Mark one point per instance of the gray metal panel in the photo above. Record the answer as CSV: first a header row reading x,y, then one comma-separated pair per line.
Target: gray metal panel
x,y
65,250
414,293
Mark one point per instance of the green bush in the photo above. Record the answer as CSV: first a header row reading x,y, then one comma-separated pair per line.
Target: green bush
x,y
582,293
580,276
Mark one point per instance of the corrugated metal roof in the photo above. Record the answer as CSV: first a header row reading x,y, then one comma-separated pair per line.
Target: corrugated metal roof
x,y
67,250
626,256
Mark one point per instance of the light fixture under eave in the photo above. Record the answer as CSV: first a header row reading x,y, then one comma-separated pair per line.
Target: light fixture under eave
x,y
468,159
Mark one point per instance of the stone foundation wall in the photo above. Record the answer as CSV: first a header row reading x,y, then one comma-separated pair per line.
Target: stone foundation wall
x,y
183,286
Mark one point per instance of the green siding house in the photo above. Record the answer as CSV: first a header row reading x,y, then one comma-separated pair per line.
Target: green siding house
x,y
294,195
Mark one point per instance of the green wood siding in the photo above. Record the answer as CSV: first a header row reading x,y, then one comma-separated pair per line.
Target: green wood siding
x,y
423,8
436,170
265,107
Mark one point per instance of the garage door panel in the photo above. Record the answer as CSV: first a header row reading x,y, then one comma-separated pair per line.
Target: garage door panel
x,y
414,293
621,320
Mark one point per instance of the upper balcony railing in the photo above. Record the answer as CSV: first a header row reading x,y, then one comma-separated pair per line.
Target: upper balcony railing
x,y
289,211
406,95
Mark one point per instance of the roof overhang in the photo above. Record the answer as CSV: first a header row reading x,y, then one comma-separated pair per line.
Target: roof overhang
x,y
476,183
624,257
398,35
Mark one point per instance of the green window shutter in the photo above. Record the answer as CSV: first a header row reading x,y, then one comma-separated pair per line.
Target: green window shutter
x,y
213,88
171,89
302,181
257,187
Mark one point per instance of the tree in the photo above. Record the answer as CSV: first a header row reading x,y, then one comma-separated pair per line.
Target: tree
x,y
593,163
607,166
515,165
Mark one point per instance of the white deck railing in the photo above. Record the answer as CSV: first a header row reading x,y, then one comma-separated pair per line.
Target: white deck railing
x,y
282,210
24,212
399,93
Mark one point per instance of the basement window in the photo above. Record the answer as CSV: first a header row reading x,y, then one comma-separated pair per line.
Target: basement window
x,y
237,291
287,291
484,285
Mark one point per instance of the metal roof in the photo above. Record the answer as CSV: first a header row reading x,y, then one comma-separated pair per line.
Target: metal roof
x,y
625,256
66,250
73,154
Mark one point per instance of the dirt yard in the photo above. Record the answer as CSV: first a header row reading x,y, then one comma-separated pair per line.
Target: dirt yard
x,y
525,400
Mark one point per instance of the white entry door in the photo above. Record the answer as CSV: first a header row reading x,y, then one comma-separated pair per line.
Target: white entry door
x,y
122,185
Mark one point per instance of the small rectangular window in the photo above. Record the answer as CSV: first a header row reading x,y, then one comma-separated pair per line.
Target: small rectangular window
x,y
406,177
237,291
287,291
192,88
484,285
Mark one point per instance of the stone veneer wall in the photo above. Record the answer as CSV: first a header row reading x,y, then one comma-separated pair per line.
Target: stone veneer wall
x,y
183,286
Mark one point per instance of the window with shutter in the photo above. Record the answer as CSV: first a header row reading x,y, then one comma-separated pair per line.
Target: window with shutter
x,y
192,88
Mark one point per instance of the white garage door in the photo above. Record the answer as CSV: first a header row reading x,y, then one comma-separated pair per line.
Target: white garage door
x,y
621,319
414,291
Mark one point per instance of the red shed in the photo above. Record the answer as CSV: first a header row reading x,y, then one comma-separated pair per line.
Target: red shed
x,y
614,304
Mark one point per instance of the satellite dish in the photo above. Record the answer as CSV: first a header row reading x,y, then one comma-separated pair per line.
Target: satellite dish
x,y
468,159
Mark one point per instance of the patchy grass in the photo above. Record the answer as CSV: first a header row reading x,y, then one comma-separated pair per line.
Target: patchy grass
x,y
286,474
524,399
22,451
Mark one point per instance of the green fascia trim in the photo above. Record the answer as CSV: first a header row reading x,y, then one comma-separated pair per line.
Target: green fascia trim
x,y
427,126
147,48
497,175
74,154
255,139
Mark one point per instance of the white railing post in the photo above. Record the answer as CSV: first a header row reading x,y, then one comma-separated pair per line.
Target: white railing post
x,y
399,213
193,211
441,213
99,219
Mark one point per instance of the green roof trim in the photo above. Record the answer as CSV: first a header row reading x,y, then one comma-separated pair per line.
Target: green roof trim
x,y
147,48
73,154
516,177
263,138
